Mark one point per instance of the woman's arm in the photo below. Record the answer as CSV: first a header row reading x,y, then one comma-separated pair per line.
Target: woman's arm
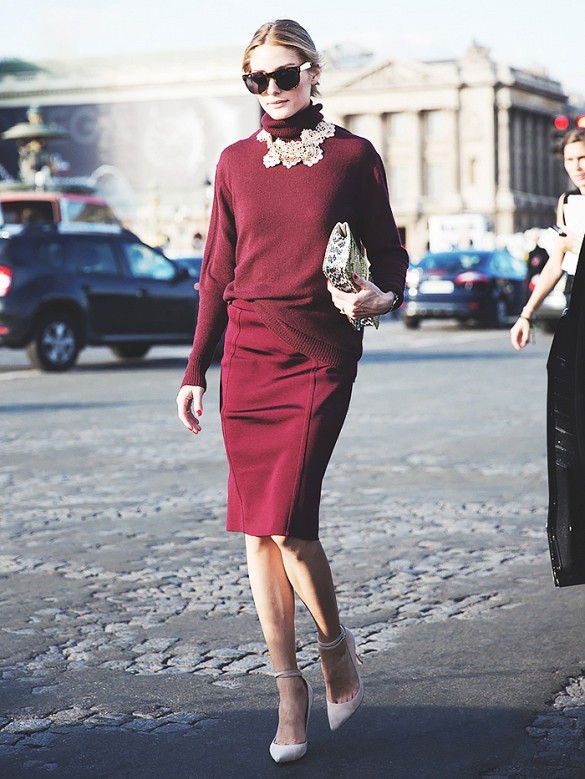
x,y
377,228
217,272
546,282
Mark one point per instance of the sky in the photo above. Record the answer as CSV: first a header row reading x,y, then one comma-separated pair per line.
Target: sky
x,y
521,33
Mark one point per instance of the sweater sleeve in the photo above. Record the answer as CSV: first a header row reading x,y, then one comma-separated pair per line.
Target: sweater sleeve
x,y
388,258
217,272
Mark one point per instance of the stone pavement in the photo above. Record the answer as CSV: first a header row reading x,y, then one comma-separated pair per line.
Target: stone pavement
x,y
129,645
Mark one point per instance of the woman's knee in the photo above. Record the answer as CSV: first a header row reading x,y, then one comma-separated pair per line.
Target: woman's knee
x,y
259,544
297,548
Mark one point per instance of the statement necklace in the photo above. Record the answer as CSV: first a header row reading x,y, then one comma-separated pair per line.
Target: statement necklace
x,y
307,149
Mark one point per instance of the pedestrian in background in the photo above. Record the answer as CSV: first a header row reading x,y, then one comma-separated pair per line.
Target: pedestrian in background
x,y
565,367
290,359
565,241
536,258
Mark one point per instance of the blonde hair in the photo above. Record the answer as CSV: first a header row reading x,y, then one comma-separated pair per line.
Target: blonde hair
x,y
284,32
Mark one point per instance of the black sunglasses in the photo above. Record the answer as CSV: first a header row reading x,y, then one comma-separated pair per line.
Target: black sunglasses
x,y
285,78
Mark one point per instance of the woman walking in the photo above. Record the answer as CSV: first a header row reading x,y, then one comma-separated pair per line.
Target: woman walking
x,y
566,376
290,358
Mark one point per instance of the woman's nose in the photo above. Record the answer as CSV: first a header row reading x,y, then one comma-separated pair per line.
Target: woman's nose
x,y
272,88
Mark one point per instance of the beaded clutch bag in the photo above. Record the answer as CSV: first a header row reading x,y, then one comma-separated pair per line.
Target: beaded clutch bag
x,y
343,257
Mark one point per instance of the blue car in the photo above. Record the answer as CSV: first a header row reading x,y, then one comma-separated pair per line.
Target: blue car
x,y
191,264
487,287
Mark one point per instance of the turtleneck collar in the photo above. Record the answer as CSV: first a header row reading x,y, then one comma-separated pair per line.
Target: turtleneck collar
x,y
290,128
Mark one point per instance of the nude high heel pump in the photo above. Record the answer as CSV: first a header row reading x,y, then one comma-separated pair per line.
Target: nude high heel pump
x,y
339,713
287,753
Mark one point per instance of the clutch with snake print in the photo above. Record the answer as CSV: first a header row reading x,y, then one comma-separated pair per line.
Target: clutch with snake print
x,y
344,257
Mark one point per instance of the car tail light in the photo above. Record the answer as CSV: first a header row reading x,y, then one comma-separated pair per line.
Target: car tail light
x,y
471,277
5,280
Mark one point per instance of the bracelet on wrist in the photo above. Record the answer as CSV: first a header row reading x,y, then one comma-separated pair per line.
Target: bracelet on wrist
x,y
527,318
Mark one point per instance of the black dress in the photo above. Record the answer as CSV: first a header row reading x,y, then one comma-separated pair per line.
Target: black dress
x,y
566,439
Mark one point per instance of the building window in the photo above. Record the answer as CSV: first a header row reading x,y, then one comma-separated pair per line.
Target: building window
x,y
435,124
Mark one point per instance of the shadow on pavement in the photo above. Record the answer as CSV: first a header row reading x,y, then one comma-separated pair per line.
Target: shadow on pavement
x,y
391,741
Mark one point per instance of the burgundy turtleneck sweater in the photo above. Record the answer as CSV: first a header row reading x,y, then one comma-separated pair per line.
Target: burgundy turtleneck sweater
x,y
268,233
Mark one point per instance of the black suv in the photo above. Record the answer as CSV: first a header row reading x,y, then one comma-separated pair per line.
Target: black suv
x,y
62,289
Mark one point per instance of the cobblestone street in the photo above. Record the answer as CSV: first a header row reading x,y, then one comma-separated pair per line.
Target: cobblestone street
x,y
128,629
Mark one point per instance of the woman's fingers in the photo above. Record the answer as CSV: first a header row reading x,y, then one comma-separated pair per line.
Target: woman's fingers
x,y
369,301
190,407
520,333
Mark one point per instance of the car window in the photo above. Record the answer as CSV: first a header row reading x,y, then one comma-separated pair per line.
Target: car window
x,y
508,266
81,211
145,263
26,212
50,254
519,267
91,255
191,264
452,261
46,252
21,251
500,266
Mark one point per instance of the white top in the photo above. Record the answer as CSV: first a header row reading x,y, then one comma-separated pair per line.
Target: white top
x,y
574,213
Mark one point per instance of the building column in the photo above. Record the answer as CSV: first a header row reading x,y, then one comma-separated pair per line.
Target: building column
x,y
504,215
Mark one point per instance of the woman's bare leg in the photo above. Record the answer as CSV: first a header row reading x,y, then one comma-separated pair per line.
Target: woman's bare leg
x,y
307,569
275,603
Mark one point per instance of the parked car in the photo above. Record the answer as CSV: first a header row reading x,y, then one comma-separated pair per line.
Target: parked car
x,y
191,264
481,286
62,290
23,207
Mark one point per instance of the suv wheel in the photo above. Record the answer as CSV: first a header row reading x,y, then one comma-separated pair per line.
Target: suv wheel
x,y
55,345
130,351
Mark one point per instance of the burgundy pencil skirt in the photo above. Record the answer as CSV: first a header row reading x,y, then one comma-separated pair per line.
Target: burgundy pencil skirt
x,y
281,414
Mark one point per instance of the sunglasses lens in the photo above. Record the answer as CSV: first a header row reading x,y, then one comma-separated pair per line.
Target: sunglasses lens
x,y
287,78
256,83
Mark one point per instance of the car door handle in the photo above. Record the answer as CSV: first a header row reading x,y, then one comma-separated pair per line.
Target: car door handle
x,y
141,293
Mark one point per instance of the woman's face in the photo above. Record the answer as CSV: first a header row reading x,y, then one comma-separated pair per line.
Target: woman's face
x,y
279,103
574,156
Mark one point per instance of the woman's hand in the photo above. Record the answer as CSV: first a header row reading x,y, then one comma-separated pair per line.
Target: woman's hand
x,y
520,333
190,406
369,301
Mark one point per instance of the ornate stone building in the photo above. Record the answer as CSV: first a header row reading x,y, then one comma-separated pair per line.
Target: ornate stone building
x,y
465,142
467,137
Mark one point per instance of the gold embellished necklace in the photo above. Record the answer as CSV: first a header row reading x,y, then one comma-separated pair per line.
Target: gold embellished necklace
x,y
306,149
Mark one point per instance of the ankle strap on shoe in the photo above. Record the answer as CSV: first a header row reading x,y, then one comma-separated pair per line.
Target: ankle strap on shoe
x,y
333,644
287,674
